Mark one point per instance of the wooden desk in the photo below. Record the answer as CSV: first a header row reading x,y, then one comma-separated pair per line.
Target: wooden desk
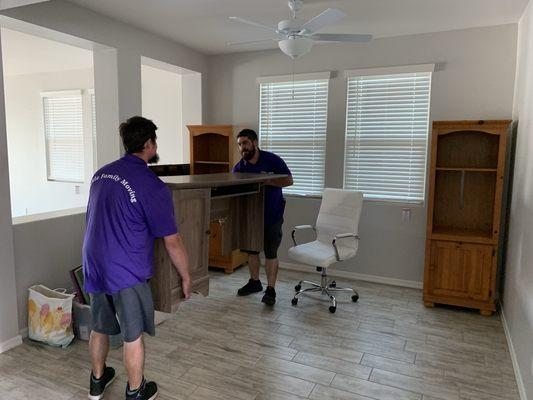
x,y
236,198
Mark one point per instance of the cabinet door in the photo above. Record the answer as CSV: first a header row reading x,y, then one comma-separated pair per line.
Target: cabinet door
x,y
460,270
191,207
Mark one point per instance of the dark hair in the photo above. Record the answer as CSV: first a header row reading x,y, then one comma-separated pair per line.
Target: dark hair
x,y
249,133
135,132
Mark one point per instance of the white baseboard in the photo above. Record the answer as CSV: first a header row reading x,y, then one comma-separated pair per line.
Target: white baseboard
x,y
516,367
9,344
24,333
354,275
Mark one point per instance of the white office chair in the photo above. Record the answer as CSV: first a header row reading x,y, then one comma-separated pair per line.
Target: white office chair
x,y
336,240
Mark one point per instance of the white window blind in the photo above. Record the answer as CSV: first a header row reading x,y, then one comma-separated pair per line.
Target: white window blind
x,y
63,128
293,120
387,121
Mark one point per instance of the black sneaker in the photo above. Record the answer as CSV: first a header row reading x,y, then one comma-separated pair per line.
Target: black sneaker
x,y
98,386
270,296
147,391
253,286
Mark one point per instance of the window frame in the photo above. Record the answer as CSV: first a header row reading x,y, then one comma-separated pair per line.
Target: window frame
x,y
317,76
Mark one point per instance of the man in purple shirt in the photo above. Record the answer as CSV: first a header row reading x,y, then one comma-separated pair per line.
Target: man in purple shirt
x,y
129,206
264,162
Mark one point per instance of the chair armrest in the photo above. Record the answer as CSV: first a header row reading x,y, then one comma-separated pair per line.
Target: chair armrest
x,y
342,236
300,228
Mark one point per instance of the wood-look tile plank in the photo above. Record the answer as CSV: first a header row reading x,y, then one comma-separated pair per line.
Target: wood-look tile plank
x,y
419,385
333,364
387,364
329,393
294,369
372,389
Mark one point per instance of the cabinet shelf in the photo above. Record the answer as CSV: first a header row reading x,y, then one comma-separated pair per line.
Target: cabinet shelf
x,y
466,235
210,148
466,169
212,162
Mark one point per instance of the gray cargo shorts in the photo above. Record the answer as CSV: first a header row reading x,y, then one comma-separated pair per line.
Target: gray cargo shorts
x,y
129,311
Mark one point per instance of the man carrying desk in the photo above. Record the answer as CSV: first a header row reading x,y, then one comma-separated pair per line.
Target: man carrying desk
x,y
264,162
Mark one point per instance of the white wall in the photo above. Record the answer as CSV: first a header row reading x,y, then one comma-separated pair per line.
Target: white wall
x,y
191,93
162,103
474,80
31,192
518,295
9,336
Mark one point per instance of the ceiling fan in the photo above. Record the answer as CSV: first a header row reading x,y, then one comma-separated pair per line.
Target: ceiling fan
x,y
295,36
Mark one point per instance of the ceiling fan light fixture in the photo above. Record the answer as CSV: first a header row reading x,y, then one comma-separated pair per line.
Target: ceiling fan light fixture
x,y
295,46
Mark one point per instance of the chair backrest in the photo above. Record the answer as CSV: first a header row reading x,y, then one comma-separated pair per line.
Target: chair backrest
x,y
339,213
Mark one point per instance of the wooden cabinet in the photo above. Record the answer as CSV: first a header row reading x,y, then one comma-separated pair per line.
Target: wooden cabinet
x,y
212,152
464,213
192,210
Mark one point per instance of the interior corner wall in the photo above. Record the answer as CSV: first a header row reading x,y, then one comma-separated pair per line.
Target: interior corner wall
x,y
474,79
61,240
31,191
518,291
8,305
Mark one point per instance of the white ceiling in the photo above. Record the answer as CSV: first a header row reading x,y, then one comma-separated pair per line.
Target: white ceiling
x,y
26,54
204,26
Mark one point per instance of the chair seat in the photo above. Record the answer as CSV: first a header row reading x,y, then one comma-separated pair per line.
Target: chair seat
x,y
319,254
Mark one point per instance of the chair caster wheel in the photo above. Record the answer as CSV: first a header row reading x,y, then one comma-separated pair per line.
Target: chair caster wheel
x,y
333,284
297,288
294,301
355,297
332,309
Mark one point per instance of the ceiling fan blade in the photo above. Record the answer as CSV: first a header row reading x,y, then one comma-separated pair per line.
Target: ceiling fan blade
x,y
251,42
326,17
340,37
252,23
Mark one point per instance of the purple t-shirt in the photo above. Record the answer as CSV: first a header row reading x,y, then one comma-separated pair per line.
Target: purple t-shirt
x,y
128,207
268,163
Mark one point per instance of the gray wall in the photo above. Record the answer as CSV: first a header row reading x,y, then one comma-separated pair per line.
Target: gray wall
x,y
44,251
518,295
8,305
474,80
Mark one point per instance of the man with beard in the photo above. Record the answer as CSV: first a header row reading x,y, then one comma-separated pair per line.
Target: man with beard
x,y
264,162
128,207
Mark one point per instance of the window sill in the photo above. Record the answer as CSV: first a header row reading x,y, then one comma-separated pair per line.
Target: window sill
x,y
48,215
420,204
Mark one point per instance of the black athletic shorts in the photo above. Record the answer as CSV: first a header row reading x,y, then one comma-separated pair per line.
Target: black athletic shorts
x,y
272,236
130,311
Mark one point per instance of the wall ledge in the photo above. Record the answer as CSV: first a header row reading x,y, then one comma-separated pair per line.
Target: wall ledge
x,y
48,215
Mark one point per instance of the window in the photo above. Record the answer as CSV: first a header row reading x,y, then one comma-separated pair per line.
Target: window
x,y
292,124
387,120
63,128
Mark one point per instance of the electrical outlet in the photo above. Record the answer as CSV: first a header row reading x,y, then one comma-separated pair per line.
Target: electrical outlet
x,y
77,189
406,215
